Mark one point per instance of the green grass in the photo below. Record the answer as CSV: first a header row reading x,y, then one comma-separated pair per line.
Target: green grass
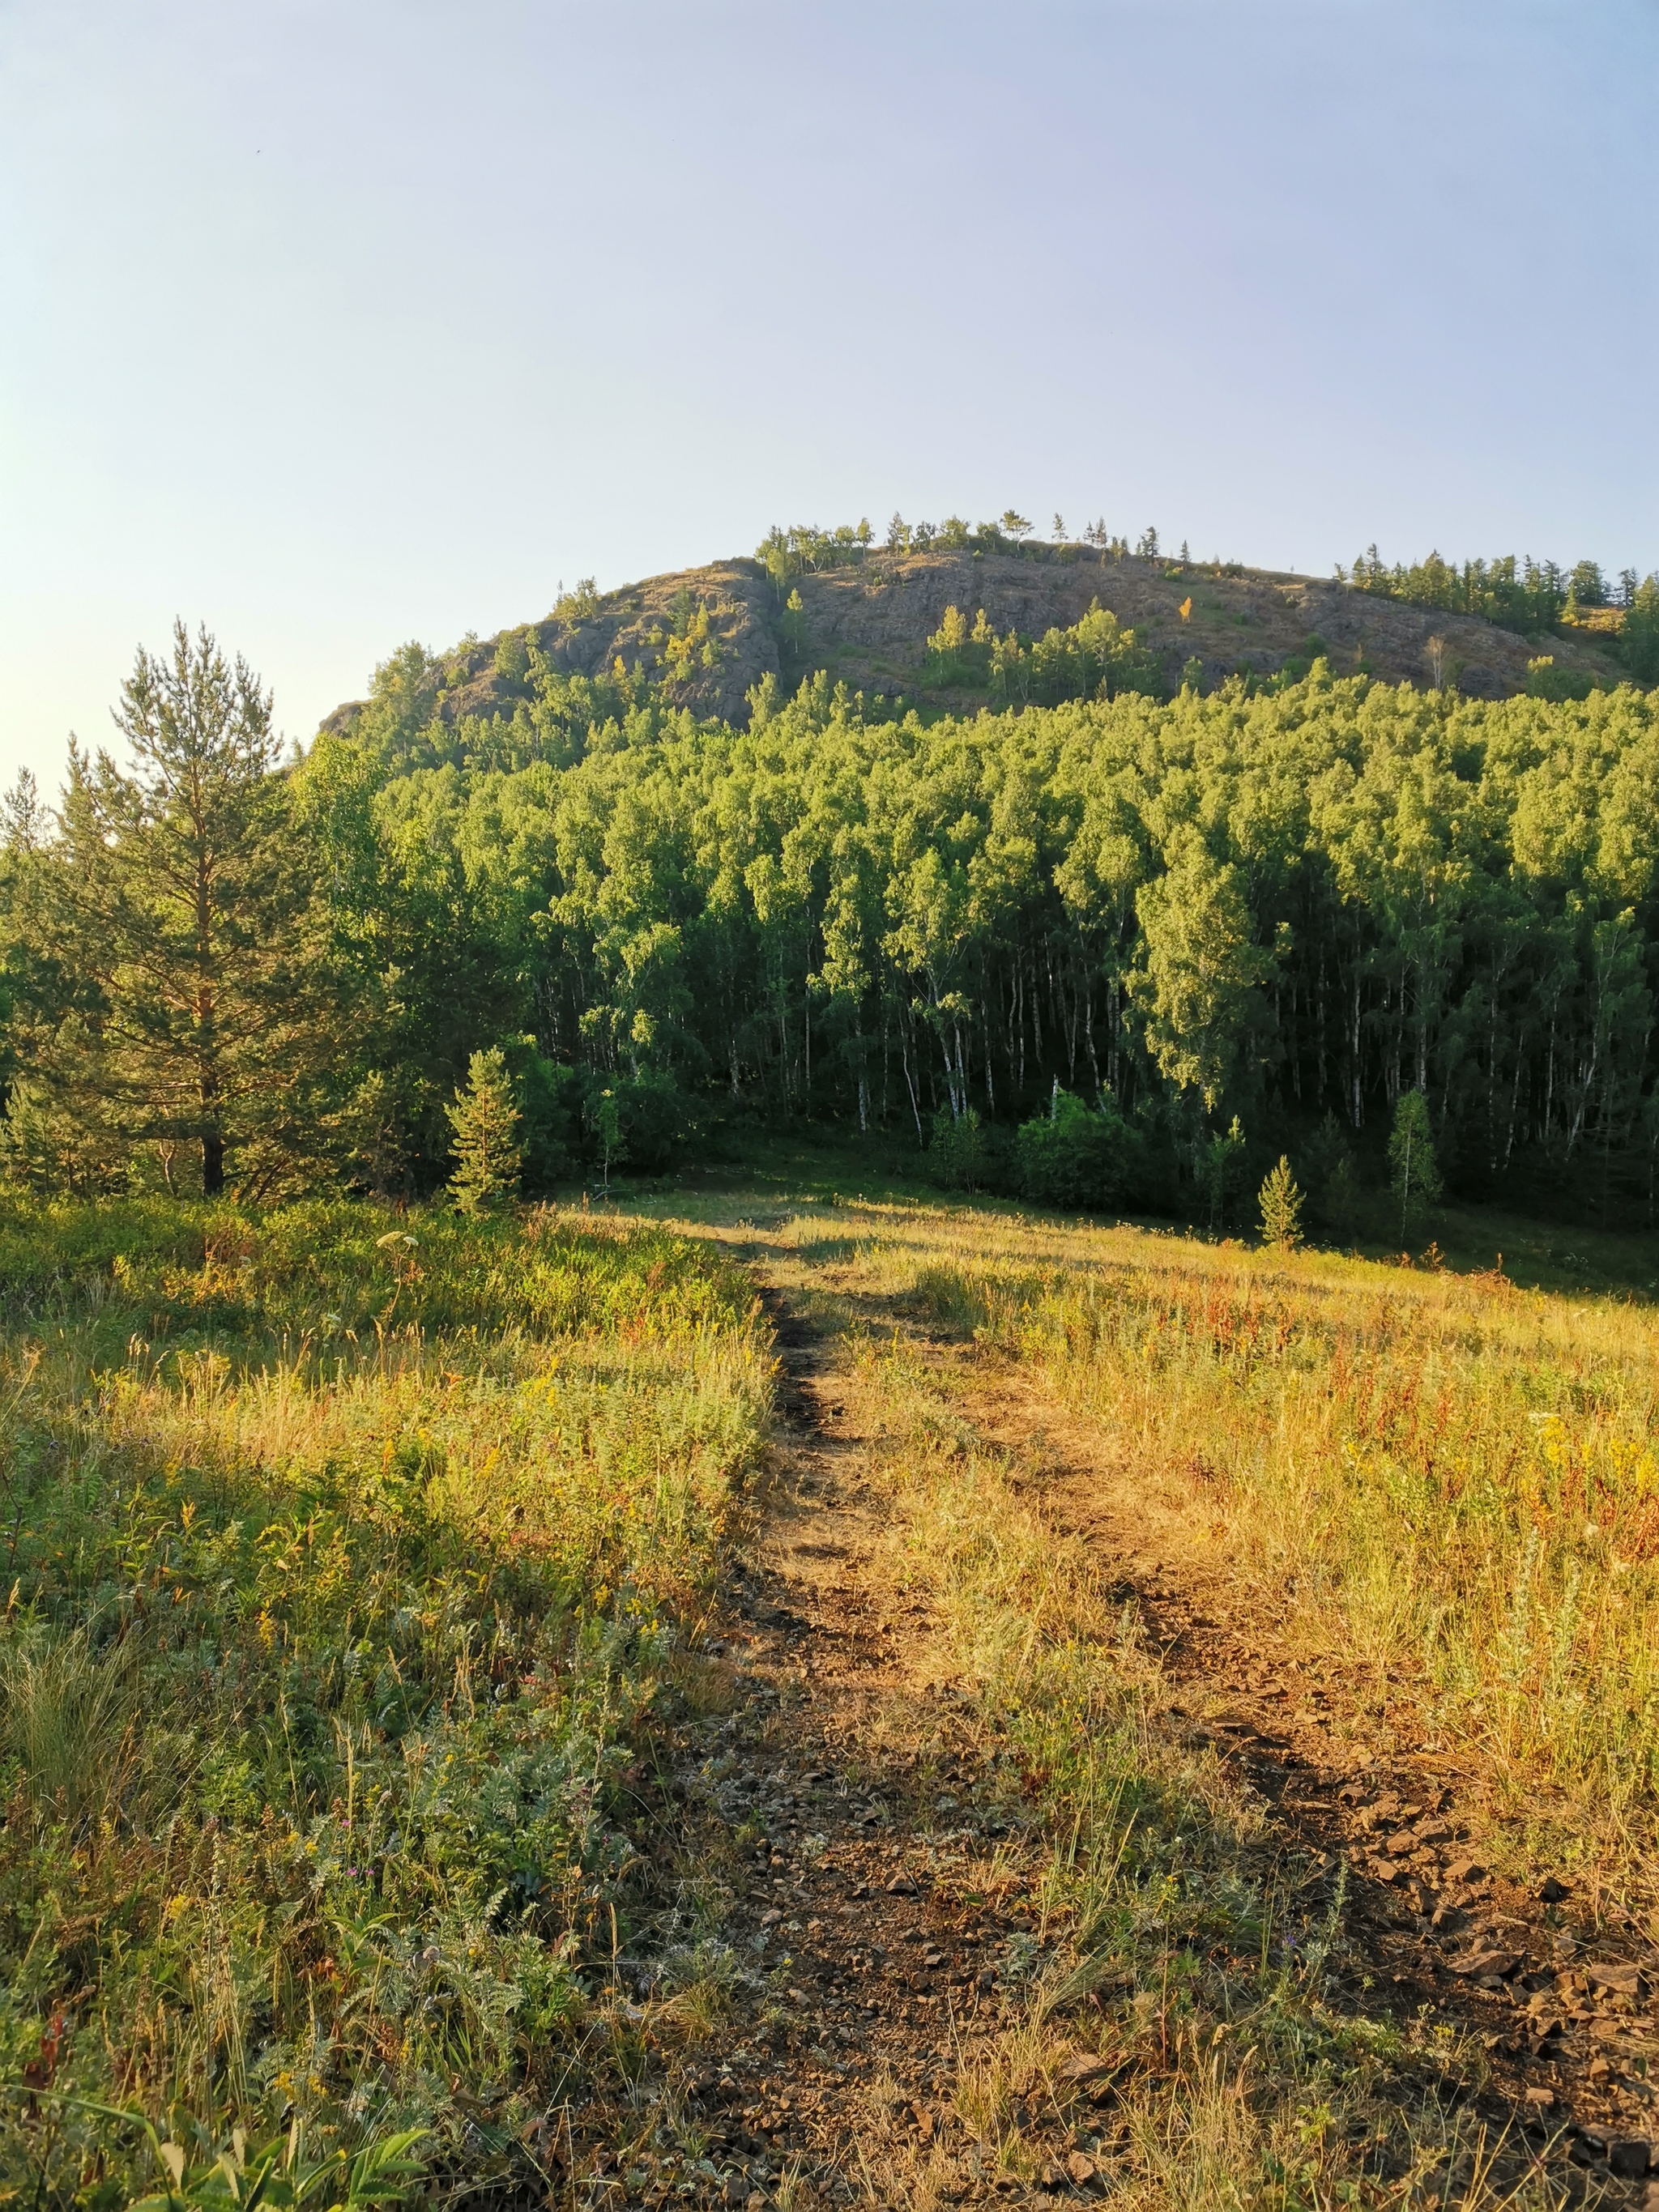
x,y
345,1557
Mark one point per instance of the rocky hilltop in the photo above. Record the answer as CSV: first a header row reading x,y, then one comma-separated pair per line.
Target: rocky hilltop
x,y
708,635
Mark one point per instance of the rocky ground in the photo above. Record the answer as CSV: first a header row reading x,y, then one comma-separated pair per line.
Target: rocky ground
x,y
881,2037
867,624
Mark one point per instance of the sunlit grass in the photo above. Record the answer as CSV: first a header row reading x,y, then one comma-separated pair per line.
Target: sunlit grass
x,y
344,1554
1455,1479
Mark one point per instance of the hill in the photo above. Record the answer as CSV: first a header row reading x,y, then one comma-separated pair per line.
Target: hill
x,y
708,635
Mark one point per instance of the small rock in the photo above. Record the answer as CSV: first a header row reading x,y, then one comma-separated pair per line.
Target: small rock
x,y
1551,1892
1447,1920
934,1959
1629,2157
1648,2200
1484,1965
900,1886
1089,2066
1466,1871
1052,2177
1540,2099
770,1917
1081,2168
1620,1976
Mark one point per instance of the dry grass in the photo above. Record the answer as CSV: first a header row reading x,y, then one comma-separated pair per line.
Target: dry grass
x,y
1457,1482
1171,1941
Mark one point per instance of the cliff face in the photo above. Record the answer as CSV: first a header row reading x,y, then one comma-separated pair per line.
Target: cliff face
x,y
868,624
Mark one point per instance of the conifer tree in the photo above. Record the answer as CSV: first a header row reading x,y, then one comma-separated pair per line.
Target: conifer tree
x,y
485,1121
1281,1208
196,1018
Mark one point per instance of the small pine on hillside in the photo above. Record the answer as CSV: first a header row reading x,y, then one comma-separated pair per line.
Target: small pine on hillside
x,y
485,1121
1281,1208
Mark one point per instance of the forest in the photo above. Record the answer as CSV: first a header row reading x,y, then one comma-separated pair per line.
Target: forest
x,y
393,1682
1217,927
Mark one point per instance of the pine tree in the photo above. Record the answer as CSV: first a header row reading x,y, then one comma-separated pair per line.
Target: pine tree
x,y
485,1121
197,1017
1415,1175
1281,1208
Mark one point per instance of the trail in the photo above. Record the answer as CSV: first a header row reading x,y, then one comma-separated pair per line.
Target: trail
x,y
861,1897
837,1799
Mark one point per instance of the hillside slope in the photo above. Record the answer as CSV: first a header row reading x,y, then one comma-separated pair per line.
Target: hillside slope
x,y
867,624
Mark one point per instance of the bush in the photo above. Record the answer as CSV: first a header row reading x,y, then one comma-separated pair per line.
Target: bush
x,y
1077,1156
964,1153
643,1121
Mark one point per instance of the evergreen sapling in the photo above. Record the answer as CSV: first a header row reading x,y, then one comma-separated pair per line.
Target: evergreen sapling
x,y
485,1121
1281,1208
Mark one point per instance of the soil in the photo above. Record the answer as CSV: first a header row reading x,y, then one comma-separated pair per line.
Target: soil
x,y
836,1794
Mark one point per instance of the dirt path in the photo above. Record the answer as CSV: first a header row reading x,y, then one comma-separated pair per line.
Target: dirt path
x,y
838,1816
833,1808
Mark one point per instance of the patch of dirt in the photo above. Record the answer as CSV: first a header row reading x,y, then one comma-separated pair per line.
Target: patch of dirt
x,y
843,1805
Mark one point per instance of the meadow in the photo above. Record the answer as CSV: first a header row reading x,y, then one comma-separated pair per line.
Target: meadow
x,y
349,1555
1449,1480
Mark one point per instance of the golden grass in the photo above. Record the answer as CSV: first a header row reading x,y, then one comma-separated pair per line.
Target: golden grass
x,y
1453,1481
1172,1938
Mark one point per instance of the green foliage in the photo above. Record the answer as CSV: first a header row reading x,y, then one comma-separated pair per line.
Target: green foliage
x,y
1524,595
1414,1174
1223,1170
965,1152
1077,1156
1277,903
1638,638
485,1119
199,1024
1281,1208
1091,658
1545,680
341,1593
1333,1182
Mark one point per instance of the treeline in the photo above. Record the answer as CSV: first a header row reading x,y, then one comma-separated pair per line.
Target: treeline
x,y
1285,908
1532,597
804,548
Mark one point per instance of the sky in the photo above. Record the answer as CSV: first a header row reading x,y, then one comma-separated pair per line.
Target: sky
x,y
334,323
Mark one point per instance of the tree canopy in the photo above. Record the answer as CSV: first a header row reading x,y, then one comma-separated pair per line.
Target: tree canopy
x,y
1283,904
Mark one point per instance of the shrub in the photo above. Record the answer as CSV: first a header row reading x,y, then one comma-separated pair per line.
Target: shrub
x,y
965,1153
1077,1155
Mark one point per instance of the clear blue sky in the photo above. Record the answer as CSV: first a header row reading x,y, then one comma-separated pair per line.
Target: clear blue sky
x,y
336,322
